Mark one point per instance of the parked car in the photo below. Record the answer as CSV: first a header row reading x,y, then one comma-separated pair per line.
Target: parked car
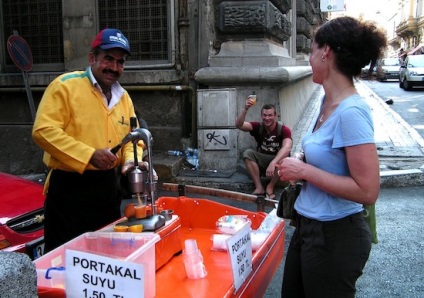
x,y
21,215
388,68
412,72
365,70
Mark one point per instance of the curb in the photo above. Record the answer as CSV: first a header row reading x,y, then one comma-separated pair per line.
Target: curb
x,y
401,178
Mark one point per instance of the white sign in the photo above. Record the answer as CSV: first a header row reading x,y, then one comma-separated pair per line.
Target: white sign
x,y
240,250
332,5
92,276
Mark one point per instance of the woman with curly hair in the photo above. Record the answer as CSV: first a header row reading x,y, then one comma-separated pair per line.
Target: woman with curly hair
x,y
340,170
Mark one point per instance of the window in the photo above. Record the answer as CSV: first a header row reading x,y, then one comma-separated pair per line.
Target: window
x,y
148,24
39,22
145,23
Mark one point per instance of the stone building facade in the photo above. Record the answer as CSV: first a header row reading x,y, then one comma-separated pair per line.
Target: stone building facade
x,y
409,28
180,49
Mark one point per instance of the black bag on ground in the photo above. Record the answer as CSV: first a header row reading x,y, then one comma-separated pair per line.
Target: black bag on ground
x,y
288,198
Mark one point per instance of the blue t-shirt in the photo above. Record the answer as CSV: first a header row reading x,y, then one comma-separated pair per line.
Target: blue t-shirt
x,y
350,124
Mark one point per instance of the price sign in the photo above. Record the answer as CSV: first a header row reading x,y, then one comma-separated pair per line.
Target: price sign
x,y
240,250
93,276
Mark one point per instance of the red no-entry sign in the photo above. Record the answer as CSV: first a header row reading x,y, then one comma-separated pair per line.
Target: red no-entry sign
x,y
20,52
21,55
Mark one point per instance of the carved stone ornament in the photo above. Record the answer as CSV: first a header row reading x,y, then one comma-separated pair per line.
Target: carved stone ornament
x,y
256,17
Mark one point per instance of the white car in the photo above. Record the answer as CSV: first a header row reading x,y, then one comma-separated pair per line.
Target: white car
x,y
388,69
412,72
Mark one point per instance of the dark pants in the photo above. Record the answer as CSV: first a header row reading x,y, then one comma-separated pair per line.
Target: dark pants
x,y
77,203
325,259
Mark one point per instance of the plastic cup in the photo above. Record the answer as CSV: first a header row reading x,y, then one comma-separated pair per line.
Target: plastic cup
x,y
193,260
190,246
193,263
252,97
140,211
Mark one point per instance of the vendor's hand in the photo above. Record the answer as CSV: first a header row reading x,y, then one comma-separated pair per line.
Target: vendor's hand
x,y
145,165
127,167
103,159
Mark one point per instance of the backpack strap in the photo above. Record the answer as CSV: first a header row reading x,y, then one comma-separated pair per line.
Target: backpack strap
x,y
279,128
261,130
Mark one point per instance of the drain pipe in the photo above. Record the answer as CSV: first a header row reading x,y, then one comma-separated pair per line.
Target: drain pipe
x,y
182,88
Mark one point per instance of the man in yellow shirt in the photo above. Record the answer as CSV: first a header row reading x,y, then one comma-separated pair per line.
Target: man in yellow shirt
x,y
81,116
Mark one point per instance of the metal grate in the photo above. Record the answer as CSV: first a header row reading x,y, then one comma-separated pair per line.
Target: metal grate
x,y
39,22
144,23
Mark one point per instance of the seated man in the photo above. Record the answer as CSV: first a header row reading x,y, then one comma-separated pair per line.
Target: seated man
x,y
274,143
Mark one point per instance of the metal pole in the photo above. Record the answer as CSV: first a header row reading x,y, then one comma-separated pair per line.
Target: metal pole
x,y
29,95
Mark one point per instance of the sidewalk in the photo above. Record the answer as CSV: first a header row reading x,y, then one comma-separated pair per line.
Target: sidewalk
x,y
400,147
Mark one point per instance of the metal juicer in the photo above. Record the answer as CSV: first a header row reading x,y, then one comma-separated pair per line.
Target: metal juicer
x,y
142,185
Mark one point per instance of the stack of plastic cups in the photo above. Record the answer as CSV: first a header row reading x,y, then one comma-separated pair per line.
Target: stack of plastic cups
x,y
193,260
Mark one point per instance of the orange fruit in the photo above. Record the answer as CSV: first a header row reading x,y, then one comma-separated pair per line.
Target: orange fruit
x,y
120,228
129,210
135,228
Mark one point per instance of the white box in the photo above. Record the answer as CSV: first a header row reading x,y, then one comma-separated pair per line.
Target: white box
x,y
131,247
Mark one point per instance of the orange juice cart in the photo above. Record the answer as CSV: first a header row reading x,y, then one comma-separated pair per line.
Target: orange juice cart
x,y
196,219
160,252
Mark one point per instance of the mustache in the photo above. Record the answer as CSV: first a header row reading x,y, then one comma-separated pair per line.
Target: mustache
x,y
111,71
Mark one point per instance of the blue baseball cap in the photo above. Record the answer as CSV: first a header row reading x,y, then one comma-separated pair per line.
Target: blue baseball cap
x,y
111,38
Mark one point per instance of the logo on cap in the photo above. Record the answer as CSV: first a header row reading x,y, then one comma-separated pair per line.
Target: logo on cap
x,y
118,38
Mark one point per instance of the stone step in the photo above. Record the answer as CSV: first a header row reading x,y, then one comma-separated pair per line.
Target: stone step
x,y
174,169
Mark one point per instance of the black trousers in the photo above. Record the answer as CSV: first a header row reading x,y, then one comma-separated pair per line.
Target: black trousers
x,y
77,203
325,259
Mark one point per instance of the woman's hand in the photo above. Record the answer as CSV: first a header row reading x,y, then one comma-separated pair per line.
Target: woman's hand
x,y
290,169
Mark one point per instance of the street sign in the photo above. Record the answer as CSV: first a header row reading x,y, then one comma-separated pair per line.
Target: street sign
x,y
332,5
21,55
20,52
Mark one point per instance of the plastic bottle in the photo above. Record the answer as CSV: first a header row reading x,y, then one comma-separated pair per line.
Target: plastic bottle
x,y
196,158
187,153
192,156
175,153
270,221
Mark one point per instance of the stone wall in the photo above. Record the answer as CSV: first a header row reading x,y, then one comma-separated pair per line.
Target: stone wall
x,y
247,45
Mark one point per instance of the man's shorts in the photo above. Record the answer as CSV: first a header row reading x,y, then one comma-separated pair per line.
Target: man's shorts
x,y
263,160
